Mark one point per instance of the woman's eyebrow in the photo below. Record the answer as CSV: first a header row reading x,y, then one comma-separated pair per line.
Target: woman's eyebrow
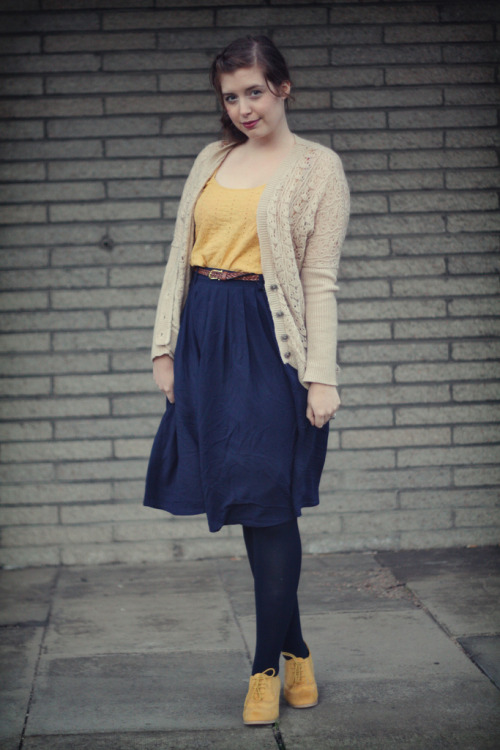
x,y
249,88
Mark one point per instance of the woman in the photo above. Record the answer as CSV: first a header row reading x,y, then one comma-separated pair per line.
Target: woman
x,y
248,309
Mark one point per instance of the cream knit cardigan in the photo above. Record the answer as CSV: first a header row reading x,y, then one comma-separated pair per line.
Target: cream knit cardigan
x,y
302,219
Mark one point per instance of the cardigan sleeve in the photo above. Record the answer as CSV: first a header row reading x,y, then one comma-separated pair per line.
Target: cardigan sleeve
x,y
319,276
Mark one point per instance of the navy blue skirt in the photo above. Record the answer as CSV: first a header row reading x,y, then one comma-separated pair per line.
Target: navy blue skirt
x,y
236,444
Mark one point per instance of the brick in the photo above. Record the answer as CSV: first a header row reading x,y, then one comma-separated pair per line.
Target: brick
x,y
411,180
374,54
438,159
119,255
128,490
34,557
366,459
25,386
156,20
161,61
396,520
49,235
50,63
22,342
467,13
476,307
106,340
302,17
108,211
479,222
141,405
184,81
366,374
430,74
471,95
396,437
24,300
25,86
367,247
445,371
437,200
97,127
363,289
21,130
28,258
25,431
395,394
48,493
38,536
99,42
102,470
476,392
363,331
311,100
80,450
26,473
391,224
100,83
102,298
19,45
91,149
468,350
470,53
447,498
171,187
362,161
477,476
132,319
99,554
328,77
289,35
102,513
371,417
393,267
453,538
448,456
430,477
404,13
61,407
176,167
54,278
476,434
50,107
22,214
368,204
22,171
94,4
442,32
158,147
387,97
168,529
392,352
467,178
477,517
456,287
444,245
306,57
363,501
474,138
43,514
472,264
447,414
390,141
104,168
336,120
52,192
137,361
390,309
106,428
442,118
446,329
36,22
108,383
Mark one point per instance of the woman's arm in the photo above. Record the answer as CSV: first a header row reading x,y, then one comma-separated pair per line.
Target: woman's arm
x,y
163,375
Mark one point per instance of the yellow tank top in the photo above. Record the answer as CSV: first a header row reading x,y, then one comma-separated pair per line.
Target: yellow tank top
x,y
226,228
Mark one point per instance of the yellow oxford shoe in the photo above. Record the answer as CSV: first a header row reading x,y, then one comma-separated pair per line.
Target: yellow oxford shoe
x,y
263,697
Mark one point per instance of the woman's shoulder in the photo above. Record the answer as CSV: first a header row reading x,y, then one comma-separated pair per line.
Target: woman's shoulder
x,y
212,151
325,156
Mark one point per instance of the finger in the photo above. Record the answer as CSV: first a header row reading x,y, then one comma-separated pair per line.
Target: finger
x,y
310,414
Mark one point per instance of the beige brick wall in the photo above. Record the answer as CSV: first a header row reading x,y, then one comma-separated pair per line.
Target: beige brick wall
x,y
104,105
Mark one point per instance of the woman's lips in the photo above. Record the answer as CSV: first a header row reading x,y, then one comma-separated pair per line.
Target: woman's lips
x,y
251,124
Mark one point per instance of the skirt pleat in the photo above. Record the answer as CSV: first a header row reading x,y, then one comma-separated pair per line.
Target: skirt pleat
x,y
236,443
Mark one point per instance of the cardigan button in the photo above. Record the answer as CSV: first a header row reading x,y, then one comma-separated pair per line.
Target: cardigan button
x,y
284,337
287,355
273,287
280,314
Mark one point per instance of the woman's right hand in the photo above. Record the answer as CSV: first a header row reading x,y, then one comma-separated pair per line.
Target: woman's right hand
x,y
163,374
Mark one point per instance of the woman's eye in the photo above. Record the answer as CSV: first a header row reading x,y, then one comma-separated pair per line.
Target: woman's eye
x,y
256,92
230,98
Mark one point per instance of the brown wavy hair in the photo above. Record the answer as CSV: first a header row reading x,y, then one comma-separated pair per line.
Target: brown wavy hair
x,y
244,53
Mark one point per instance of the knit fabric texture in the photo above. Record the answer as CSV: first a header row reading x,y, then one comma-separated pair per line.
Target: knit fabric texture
x,y
302,219
226,228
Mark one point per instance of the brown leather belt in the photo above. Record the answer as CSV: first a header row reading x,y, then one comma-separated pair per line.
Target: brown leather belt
x,y
219,274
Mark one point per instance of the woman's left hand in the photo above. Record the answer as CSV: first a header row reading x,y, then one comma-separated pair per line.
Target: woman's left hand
x,y
322,403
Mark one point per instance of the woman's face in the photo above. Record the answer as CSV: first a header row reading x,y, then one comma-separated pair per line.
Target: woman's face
x,y
252,107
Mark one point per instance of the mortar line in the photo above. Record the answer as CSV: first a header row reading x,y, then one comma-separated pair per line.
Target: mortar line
x,y
53,588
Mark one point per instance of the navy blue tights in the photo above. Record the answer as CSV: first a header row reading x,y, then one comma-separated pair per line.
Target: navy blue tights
x,y
275,555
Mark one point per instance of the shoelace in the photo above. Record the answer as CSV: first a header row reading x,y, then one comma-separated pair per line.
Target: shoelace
x,y
260,682
297,670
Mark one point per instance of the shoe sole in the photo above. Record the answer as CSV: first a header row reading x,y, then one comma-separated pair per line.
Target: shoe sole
x,y
306,705
253,723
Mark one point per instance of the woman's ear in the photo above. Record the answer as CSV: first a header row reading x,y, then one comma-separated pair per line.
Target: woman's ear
x,y
286,88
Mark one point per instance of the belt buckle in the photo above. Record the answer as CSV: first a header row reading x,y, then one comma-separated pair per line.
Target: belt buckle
x,y
215,271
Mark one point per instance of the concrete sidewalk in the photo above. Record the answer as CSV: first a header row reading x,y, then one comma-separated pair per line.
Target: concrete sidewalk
x,y
144,657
